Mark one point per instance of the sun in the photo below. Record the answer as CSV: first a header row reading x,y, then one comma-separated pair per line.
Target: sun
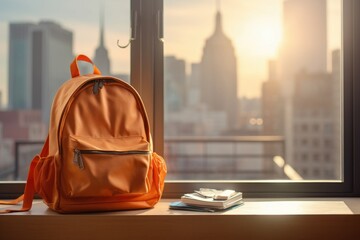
x,y
267,38
260,37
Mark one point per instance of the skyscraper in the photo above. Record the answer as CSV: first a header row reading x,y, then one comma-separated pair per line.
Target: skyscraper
x,y
272,109
272,103
317,123
315,153
52,53
20,55
218,75
304,44
101,58
175,84
39,58
304,49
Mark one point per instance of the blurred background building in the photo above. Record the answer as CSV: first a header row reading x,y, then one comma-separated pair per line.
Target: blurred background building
x,y
39,55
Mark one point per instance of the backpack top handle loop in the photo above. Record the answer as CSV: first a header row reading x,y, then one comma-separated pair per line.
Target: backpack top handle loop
x,y
74,68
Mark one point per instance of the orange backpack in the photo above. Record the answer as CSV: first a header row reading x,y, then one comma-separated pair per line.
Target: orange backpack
x,y
98,155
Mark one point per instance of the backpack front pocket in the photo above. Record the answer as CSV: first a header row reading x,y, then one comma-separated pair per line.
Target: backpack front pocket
x,y
105,167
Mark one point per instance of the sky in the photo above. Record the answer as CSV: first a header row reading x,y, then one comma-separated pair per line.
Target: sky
x,y
254,27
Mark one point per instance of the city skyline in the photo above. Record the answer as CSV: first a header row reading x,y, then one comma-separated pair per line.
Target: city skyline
x,y
205,102
293,98
253,26
85,28
242,21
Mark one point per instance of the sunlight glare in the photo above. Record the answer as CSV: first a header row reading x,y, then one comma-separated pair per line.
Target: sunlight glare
x,y
261,37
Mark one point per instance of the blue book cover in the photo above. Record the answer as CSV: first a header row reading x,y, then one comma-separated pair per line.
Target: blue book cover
x,y
182,206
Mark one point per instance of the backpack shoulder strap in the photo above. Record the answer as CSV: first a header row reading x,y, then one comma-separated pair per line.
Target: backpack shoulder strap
x,y
29,192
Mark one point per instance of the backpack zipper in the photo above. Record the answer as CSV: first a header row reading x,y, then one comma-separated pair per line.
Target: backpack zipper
x,y
98,85
78,160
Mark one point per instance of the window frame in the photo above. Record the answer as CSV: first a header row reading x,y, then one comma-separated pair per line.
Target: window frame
x,y
147,60
153,97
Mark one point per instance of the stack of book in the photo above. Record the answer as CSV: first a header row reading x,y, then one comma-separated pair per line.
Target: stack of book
x,y
209,200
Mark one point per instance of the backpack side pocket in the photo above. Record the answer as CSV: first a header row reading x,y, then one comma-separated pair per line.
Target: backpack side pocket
x,y
44,178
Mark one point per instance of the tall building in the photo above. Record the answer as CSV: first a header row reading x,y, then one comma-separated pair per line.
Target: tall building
x,y
304,48
218,74
39,58
315,138
101,58
20,56
272,106
52,52
185,115
304,44
193,86
175,84
272,109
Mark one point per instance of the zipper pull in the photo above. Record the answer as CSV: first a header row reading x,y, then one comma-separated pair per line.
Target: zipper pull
x,y
78,159
97,86
101,84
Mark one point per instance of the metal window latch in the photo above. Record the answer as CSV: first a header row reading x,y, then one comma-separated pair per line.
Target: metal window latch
x,y
160,25
133,29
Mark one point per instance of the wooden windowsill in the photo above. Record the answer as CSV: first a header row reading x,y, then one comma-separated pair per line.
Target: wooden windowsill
x,y
304,218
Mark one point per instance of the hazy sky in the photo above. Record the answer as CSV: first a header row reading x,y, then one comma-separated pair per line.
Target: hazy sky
x,y
253,26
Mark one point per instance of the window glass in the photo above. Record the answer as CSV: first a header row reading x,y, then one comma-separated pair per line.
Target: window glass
x,y
252,87
38,40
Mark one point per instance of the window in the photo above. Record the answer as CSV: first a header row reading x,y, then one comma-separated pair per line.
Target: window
x,y
305,171
316,157
304,127
304,142
315,143
242,132
327,158
304,157
316,127
313,89
316,172
37,44
249,72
